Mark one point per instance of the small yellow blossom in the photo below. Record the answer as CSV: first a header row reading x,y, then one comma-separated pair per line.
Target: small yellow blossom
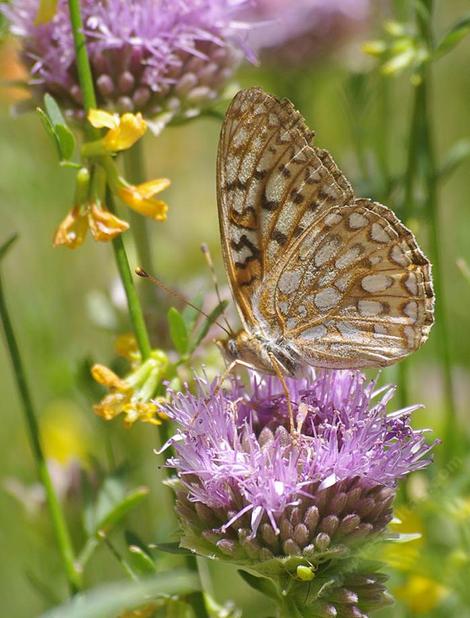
x,y
124,131
46,11
404,556
141,198
126,346
134,396
421,594
103,225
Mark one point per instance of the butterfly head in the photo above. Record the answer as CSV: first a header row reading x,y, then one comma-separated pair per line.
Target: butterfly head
x,y
248,349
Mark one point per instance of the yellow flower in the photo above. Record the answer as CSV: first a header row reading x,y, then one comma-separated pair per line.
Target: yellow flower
x,y
124,131
421,594
64,434
46,11
135,395
103,225
403,556
141,198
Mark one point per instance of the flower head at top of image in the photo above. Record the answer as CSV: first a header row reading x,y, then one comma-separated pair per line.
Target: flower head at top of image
x,y
298,33
159,57
249,489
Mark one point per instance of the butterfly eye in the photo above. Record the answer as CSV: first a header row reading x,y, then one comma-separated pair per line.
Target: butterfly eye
x,y
232,348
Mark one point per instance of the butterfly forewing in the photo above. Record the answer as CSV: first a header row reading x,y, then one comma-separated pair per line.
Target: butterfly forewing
x,y
338,280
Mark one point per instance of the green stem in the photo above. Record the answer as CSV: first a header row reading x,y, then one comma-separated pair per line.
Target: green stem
x,y
83,64
429,162
197,600
89,101
133,303
430,173
135,173
408,211
55,509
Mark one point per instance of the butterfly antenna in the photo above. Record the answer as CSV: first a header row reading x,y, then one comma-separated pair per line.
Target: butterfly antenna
x,y
145,275
210,264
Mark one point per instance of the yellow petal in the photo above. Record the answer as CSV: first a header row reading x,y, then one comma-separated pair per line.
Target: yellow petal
x,y
152,187
155,209
46,11
105,376
131,128
126,346
100,119
421,594
104,225
111,405
72,231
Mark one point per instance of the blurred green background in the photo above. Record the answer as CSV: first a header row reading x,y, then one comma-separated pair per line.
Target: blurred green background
x,y
67,307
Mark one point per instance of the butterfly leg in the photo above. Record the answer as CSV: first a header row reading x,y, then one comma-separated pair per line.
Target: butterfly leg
x,y
278,370
228,371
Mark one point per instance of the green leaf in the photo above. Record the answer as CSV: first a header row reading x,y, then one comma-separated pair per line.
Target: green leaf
x,y
261,584
178,332
7,245
57,125
140,561
110,600
208,323
111,506
452,38
49,127
66,141
454,157
171,548
53,111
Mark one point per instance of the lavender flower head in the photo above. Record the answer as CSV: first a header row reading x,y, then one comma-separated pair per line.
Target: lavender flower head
x,y
152,56
251,490
299,32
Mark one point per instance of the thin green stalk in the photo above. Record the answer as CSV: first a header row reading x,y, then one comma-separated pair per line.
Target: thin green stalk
x,y
83,63
197,600
55,509
133,303
430,173
431,188
135,172
89,102
408,211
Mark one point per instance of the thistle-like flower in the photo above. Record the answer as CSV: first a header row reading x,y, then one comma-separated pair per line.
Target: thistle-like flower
x,y
153,56
253,492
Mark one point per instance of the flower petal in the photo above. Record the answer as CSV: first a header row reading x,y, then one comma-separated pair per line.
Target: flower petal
x,y
155,209
72,231
151,187
105,376
104,225
131,128
101,119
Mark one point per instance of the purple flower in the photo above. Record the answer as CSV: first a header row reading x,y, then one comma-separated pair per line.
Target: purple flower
x,y
298,32
249,488
153,56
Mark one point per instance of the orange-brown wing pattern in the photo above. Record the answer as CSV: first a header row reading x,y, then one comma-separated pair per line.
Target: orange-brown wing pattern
x,y
271,186
354,291
320,276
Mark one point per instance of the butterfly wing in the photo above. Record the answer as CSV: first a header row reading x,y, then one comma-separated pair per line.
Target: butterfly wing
x,y
337,280
267,195
354,291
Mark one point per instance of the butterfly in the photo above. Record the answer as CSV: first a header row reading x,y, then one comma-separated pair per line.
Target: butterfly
x,y
319,276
